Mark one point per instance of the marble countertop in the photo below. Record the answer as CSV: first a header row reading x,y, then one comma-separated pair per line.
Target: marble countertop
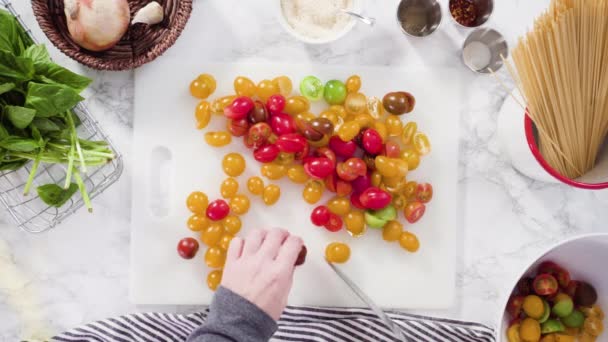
x,y
79,271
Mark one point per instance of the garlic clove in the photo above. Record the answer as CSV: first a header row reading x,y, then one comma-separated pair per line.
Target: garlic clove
x,y
97,25
150,14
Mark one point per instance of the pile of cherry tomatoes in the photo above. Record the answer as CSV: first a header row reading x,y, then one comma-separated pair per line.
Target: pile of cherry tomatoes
x,y
552,307
358,148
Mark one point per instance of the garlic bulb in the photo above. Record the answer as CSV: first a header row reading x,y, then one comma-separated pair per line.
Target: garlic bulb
x,y
150,14
97,25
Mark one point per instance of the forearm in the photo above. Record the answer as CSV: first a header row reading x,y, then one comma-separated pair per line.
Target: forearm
x,y
234,319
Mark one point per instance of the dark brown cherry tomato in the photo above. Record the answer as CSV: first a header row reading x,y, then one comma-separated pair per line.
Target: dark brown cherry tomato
x,y
259,113
187,248
322,125
399,102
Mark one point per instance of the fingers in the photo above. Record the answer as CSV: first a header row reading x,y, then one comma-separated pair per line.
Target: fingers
x,y
273,242
254,241
235,249
288,254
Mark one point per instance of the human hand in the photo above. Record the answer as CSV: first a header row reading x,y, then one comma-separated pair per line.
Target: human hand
x,y
260,268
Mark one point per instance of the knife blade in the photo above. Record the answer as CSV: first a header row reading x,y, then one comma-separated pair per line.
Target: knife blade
x,y
370,303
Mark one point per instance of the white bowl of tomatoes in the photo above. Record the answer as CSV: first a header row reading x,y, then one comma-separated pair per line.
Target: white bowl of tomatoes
x,y
561,296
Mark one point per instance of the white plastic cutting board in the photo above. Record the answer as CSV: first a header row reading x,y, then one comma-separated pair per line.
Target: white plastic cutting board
x,y
172,160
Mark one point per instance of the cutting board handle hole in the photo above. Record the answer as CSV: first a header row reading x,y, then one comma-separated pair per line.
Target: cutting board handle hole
x,y
160,173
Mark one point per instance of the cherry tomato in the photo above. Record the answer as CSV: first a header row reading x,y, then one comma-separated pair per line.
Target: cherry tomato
x,y
312,88
392,231
203,86
375,198
337,252
391,167
375,108
545,285
399,201
197,202
514,306
301,256
409,242
424,193
214,279
313,191
266,154
355,223
215,257
232,224
284,85
319,168
259,134
274,171
334,224
282,124
217,210
327,153
218,105
239,109
229,187
391,149
422,145
202,114
341,148
349,130
361,183
187,248
266,88
259,113
371,141
355,200
255,185
414,211
238,128
409,130
320,216
340,187
296,105
271,194
376,178
197,223
339,205
276,104
239,204
218,139
351,169
212,235
335,92
233,164
399,103
243,86
411,157
355,103
297,174
305,128
291,143
561,274
410,189
353,84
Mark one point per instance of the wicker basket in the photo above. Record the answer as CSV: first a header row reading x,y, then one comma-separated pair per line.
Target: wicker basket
x,y
141,44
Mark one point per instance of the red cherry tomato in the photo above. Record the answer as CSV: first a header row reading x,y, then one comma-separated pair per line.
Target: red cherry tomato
x,y
343,188
414,211
318,168
301,256
258,134
304,153
218,210
392,149
320,216
524,286
327,153
361,183
371,141
275,104
354,200
291,143
344,149
545,285
375,198
424,192
334,224
238,128
351,169
187,248
240,107
282,124
561,274
514,306
266,154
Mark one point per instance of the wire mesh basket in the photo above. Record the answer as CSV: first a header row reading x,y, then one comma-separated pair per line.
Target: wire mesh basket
x,y
30,213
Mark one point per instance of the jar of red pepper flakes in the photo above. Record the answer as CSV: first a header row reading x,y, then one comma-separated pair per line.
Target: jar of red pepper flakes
x,y
471,13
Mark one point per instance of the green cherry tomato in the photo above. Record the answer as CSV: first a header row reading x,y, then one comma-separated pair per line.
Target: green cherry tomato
x,y
312,88
374,221
335,92
389,213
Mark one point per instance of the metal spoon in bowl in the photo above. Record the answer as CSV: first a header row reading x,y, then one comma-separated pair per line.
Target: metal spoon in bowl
x,y
366,20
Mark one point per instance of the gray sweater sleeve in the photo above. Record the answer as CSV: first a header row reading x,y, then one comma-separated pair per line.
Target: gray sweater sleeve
x,y
232,318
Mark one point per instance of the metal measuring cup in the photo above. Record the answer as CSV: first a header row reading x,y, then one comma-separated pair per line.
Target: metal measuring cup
x,y
483,45
484,8
419,18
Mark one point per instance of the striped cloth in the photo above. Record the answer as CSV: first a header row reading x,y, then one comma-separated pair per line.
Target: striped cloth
x,y
298,324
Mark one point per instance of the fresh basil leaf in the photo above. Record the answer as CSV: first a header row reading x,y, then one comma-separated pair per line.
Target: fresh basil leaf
x,y
19,144
46,125
6,87
11,166
3,132
37,136
37,53
55,74
16,68
50,99
10,35
54,195
20,117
